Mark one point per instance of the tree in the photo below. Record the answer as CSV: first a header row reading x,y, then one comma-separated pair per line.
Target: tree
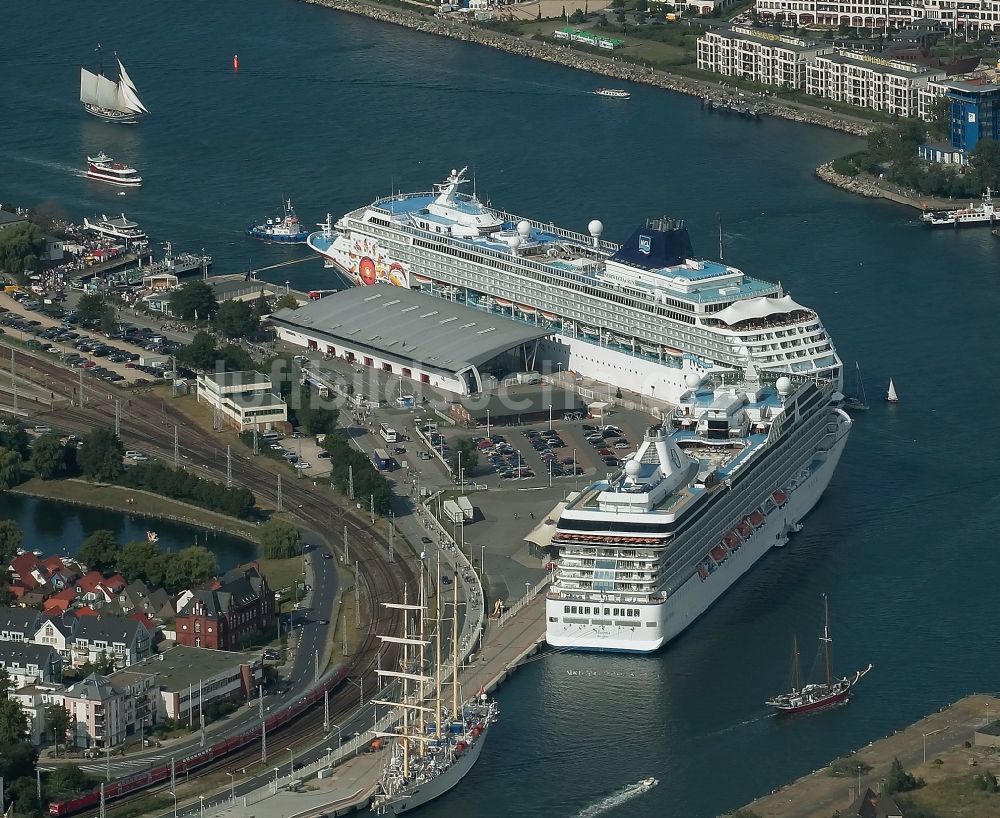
x,y
13,723
235,319
99,552
48,457
899,780
985,161
469,457
90,307
17,761
191,566
10,469
67,779
101,457
200,353
262,306
20,247
4,683
235,359
104,666
13,436
58,719
287,302
280,539
194,301
577,17
137,559
10,540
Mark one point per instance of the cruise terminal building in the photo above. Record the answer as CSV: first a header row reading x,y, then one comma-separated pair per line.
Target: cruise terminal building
x,y
425,338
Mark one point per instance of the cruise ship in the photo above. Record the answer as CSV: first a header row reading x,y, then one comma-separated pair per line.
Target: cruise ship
x,y
641,315
727,476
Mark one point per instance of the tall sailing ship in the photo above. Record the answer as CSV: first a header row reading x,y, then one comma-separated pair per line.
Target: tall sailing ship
x,y
110,100
436,744
641,315
728,475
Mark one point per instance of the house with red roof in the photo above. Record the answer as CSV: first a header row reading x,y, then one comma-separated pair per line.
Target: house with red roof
x,y
60,602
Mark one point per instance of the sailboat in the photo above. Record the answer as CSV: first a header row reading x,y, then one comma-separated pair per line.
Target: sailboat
x,y
806,698
434,746
892,397
859,400
109,100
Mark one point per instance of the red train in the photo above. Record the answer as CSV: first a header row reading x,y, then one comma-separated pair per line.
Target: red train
x,y
157,775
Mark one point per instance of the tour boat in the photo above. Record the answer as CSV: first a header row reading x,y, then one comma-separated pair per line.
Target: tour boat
x,y
806,698
105,169
616,93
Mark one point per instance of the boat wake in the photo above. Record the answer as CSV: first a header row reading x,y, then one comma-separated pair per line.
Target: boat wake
x,y
60,166
616,799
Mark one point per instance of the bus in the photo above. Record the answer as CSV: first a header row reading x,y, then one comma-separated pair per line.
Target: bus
x,y
383,461
389,434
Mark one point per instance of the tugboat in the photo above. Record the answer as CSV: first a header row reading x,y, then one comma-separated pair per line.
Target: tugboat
x,y
807,698
105,169
281,229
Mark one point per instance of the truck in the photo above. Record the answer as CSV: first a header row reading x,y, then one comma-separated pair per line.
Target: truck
x,y
453,511
468,511
155,361
383,461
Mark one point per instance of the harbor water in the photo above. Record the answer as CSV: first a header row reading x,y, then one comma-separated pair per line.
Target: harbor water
x,y
333,110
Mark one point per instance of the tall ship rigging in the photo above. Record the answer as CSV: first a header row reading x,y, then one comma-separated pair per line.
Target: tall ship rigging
x,y
642,315
110,100
728,475
436,743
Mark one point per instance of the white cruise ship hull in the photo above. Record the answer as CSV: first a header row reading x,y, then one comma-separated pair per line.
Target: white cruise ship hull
x,y
659,623
420,794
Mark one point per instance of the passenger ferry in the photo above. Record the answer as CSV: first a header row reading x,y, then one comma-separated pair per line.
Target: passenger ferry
x,y
729,474
641,315
117,229
984,214
105,169
616,93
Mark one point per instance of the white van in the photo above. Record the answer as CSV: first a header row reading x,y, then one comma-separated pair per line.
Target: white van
x,y
272,435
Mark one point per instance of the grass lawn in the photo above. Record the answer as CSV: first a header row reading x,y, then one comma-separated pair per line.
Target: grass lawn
x,y
950,787
281,573
116,497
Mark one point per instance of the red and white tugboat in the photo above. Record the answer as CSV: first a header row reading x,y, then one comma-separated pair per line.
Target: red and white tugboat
x,y
806,698
104,169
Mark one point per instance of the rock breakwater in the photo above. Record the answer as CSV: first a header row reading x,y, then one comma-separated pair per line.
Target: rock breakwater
x,y
861,185
595,64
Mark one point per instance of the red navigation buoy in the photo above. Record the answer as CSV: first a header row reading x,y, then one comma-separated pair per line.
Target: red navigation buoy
x,y
236,62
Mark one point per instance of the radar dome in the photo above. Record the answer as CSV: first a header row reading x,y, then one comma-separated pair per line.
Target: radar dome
x,y
524,229
595,228
692,380
632,468
783,385
513,242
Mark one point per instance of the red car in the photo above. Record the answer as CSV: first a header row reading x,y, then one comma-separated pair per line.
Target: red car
x,y
605,452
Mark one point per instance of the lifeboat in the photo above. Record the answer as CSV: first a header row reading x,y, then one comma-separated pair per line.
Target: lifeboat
x,y
779,497
526,310
731,540
702,572
421,279
461,747
676,353
550,316
500,302
718,554
744,530
756,519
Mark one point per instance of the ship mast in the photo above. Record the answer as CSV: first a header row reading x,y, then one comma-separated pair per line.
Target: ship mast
x,y
421,726
796,670
437,662
455,712
826,639
405,693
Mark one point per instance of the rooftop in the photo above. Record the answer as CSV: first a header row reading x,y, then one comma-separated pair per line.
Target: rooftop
x,y
181,666
412,326
242,378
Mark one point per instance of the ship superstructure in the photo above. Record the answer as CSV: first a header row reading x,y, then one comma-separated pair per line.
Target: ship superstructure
x,y
726,477
641,315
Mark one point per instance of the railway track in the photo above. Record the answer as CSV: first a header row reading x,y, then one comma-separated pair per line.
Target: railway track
x,y
148,421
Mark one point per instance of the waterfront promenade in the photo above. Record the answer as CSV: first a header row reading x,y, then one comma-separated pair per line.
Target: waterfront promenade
x,y
352,782
939,735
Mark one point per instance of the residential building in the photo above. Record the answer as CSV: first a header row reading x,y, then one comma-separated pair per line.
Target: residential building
x,y
973,112
19,624
869,81
98,712
127,640
137,597
244,400
56,631
33,700
877,15
761,56
186,679
874,805
228,613
27,663
8,219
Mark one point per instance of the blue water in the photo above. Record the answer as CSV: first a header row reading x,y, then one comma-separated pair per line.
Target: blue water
x,y
334,110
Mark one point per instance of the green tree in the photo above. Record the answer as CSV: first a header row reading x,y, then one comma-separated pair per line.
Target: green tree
x,y
13,723
4,683
194,301
58,719
189,567
262,306
103,666
235,359
985,161
577,17
899,780
48,457
10,540
67,779
101,457
280,539
469,457
236,319
99,551
20,248
201,353
287,302
13,436
10,469
90,307
137,558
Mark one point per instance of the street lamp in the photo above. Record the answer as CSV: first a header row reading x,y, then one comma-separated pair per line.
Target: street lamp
x,y
291,770
340,738
232,785
527,589
550,417
329,754
482,560
357,744
276,779
925,735
202,811
559,364
487,423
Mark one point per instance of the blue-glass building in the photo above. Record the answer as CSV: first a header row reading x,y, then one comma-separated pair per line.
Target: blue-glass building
x,y
975,114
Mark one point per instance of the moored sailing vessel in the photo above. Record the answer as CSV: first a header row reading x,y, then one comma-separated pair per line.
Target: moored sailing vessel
x,y
810,697
110,100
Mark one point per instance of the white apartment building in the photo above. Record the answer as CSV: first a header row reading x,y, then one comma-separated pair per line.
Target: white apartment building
x,y
761,56
869,81
879,14
245,400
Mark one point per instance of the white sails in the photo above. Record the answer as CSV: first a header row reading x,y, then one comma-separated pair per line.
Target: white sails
x,y
101,92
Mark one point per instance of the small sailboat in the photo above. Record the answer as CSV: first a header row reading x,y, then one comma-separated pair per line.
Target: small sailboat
x,y
806,698
891,396
859,400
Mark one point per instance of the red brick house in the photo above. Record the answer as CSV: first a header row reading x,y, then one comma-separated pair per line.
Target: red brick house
x,y
227,613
